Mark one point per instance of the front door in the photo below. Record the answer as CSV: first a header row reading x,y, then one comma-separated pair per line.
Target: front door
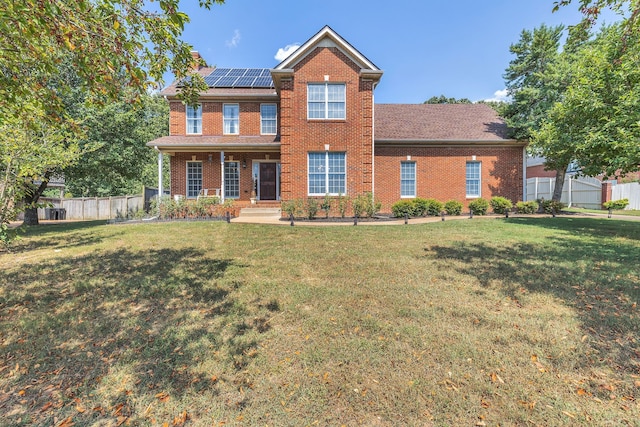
x,y
268,172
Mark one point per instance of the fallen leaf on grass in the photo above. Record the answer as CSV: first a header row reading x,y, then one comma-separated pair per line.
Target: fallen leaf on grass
x,y
583,392
568,414
539,365
181,419
67,422
162,397
496,378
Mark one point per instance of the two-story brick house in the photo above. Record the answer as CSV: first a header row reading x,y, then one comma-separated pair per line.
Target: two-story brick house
x,y
310,127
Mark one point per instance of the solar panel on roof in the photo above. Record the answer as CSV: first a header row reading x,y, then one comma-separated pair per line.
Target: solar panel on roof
x,y
265,73
220,72
226,81
237,72
244,82
255,72
263,82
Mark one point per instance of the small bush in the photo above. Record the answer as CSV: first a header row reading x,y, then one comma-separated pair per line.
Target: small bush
x,y
358,205
549,206
402,207
479,206
343,204
500,204
435,207
420,207
292,207
372,205
616,205
326,205
312,208
453,207
528,208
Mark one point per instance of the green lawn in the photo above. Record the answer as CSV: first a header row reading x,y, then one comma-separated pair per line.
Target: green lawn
x,y
631,212
521,321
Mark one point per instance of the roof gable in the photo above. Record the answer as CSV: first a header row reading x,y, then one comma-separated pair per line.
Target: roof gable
x,y
326,37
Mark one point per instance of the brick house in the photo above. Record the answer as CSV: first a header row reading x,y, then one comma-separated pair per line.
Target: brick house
x,y
310,127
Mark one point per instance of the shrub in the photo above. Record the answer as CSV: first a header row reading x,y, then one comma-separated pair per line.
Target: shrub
x,y
529,207
292,207
434,207
358,205
616,205
500,204
312,208
326,205
420,207
372,205
453,207
549,206
402,207
479,206
343,203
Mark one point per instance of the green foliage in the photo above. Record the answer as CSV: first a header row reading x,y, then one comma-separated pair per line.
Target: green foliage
x,y
326,205
529,207
616,205
500,205
358,205
434,207
420,207
479,206
343,205
169,208
292,207
453,207
371,204
311,208
444,100
403,207
551,206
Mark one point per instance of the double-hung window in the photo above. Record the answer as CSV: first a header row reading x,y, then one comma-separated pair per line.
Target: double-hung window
x,y
232,180
327,173
194,179
473,179
231,119
268,119
194,119
326,101
407,179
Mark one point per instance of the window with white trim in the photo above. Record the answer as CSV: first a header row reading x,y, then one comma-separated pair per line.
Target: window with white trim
x,y
407,179
194,179
268,119
327,173
194,120
232,180
473,179
326,101
231,119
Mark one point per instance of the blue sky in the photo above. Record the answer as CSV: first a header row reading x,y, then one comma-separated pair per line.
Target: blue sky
x,y
425,48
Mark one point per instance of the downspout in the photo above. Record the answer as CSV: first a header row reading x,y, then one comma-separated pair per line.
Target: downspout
x,y
373,143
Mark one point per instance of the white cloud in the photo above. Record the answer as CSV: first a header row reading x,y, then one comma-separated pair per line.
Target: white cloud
x,y
235,41
499,96
283,53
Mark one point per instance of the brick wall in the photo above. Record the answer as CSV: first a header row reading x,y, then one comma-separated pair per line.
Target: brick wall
x,y
211,176
441,172
249,119
299,136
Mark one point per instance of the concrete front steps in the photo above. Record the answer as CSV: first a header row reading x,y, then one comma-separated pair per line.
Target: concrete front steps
x,y
259,215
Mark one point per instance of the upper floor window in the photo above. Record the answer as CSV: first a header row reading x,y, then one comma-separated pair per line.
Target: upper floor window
x,y
268,119
407,179
231,118
473,179
194,119
326,101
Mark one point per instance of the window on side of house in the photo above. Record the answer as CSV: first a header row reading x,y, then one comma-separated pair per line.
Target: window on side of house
x,y
194,120
326,101
232,180
268,119
231,119
194,179
408,179
473,179
327,173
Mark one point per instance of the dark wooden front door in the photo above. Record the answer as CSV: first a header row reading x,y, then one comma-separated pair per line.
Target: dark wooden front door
x,y
268,181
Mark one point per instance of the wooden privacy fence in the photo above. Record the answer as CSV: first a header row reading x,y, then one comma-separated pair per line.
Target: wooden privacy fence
x,y
629,191
583,192
87,208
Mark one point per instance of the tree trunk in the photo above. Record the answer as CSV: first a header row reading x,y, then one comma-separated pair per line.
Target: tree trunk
x,y
30,200
557,190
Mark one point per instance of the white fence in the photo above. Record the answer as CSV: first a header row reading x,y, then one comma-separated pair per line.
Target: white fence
x,y
87,208
580,192
629,191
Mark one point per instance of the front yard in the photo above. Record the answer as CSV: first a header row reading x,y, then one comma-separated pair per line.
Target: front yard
x,y
521,321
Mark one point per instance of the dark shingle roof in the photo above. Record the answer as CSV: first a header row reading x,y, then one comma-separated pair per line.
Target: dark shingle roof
x,y
438,122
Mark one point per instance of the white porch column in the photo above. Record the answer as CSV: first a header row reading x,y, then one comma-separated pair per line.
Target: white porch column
x,y
222,177
160,192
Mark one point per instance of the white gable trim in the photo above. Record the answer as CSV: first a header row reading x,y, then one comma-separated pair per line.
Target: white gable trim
x,y
326,37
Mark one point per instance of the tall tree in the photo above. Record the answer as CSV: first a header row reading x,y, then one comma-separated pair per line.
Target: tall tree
x,y
117,160
445,100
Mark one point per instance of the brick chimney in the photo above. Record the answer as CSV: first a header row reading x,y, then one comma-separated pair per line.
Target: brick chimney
x,y
196,56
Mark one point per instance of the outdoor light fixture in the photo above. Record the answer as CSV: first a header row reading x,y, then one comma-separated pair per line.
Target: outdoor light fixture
x,y
210,158
244,164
